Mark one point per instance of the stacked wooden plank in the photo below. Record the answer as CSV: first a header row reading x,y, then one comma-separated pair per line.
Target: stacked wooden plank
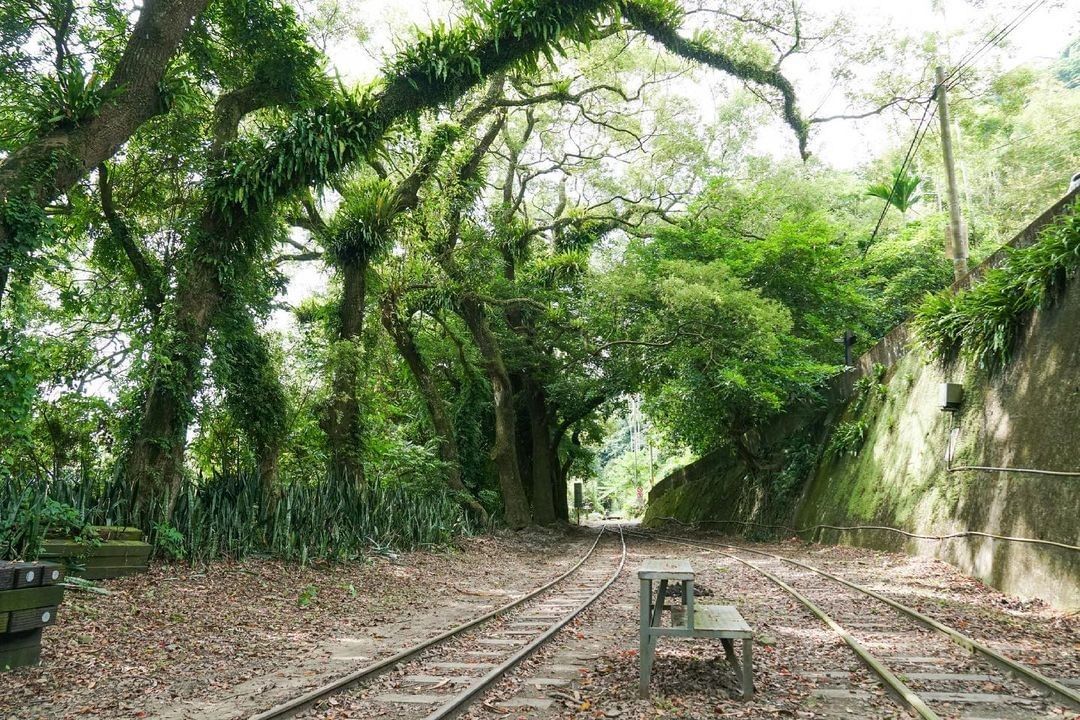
x,y
119,551
29,597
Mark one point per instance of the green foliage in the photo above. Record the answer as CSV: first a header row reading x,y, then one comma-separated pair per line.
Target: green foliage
x,y
169,540
42,91
444,60
245,367
899,270
307,152
307,596
361,226
230,516
727,361
27,515
1068,68
901,194
984,322
67,101
848,437
869,386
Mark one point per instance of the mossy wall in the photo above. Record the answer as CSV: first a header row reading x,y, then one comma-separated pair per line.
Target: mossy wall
x,y
713,489
1027,416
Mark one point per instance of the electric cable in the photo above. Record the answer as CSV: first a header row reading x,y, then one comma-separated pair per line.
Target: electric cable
x,y
993,40
913,149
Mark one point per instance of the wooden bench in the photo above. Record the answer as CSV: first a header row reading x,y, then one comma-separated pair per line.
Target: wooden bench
x,y
722,622
29,597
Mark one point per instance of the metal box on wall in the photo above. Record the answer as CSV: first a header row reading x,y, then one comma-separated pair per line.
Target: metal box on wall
x,y
952,394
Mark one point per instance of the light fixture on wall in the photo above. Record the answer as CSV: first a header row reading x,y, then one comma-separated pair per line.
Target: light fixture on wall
x,y
848,339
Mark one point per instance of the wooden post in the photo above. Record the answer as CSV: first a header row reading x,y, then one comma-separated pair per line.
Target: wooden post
x,y
579,499
957,234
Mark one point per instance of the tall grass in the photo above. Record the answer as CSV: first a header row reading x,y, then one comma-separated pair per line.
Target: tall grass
x,y
228,516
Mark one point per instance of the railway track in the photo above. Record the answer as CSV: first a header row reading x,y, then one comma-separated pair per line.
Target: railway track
x,y
440,677
931,669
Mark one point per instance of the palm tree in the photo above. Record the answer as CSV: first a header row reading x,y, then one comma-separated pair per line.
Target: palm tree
x,y
902,194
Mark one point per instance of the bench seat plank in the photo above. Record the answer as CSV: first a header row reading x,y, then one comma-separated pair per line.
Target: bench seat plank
x,y
660,569
714,621
722,620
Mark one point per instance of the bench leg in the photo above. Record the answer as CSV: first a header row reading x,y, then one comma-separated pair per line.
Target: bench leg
x,y
729,653
747,668
744,669
645,650
661,598
648,649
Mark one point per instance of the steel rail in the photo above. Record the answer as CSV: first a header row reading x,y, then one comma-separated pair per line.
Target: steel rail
x,y
458,705
905,695
1065,695
301,702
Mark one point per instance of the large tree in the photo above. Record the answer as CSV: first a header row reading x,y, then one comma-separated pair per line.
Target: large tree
x,y
91,124
316,145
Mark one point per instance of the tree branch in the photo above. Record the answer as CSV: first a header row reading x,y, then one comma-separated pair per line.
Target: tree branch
x,y
660,29
147,274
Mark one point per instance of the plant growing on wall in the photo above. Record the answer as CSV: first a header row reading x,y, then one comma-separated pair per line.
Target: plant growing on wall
x,y
983,323
848,438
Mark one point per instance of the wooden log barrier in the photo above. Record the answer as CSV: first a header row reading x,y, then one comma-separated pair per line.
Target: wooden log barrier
x,y
118,551
29,599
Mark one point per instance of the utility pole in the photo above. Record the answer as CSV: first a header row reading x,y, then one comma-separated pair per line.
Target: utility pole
x,y
957,234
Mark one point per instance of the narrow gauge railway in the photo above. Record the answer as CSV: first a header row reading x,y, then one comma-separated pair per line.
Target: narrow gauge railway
x,y
439,678
931,669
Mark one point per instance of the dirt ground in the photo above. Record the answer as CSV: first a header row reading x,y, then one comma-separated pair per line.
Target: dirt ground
x,y
232,639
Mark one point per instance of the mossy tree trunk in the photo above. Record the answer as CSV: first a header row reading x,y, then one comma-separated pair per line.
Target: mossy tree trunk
x,y
543,502
153,461
504,450
437,407
342,422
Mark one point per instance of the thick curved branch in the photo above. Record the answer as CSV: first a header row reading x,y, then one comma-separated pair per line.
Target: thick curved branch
x,y
660,29
147,274
51,164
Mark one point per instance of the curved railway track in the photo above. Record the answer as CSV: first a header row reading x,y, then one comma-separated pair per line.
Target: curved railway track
x,y
444,669
933,670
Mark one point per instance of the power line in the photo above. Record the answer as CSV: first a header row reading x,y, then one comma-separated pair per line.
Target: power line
x,y
913,149
1037,133
993,39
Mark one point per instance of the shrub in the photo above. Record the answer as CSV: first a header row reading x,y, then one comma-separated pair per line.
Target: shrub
x,y
229,515
169,540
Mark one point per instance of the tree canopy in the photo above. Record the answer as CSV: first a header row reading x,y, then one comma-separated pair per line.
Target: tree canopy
x,y
236,291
